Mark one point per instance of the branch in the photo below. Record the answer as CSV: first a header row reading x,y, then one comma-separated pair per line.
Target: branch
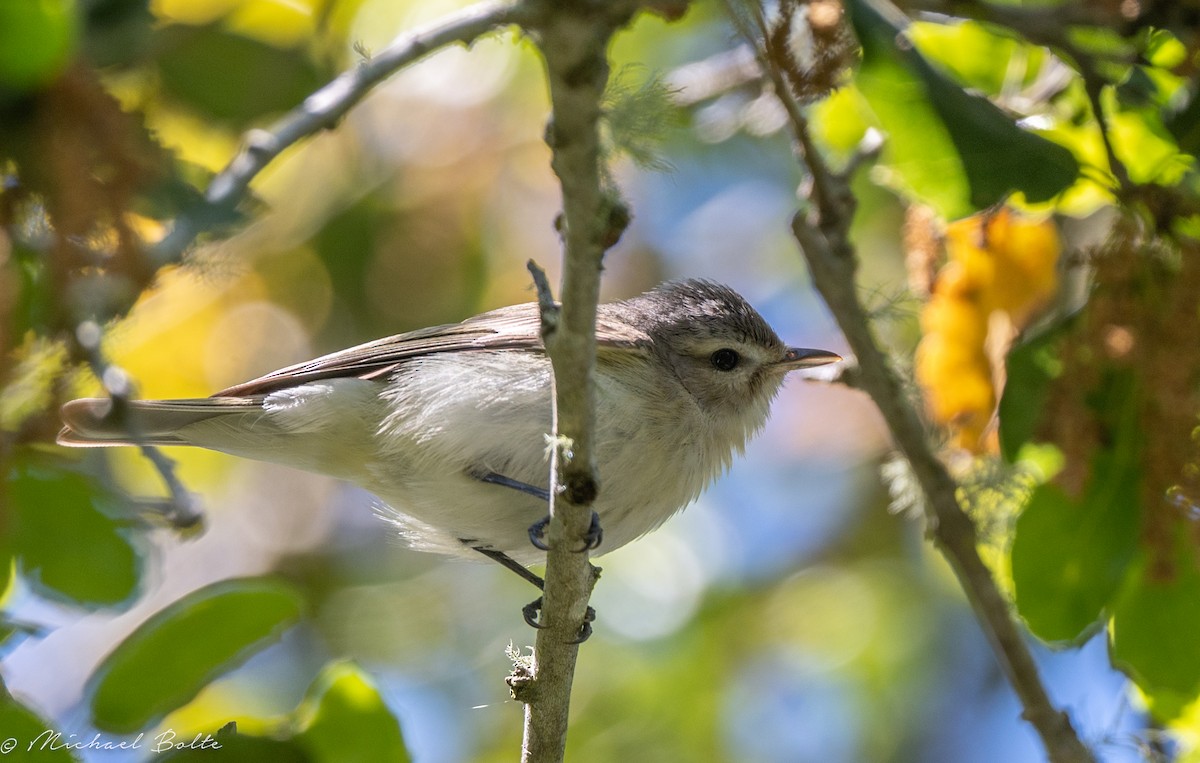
x,y
323,109
952,530
823,235
181,509
570,44
573,38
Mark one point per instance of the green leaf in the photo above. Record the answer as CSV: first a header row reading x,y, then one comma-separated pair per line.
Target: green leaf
x,y
230,77
1153,634
1147,148
6,572
953,149
977,56
1069,558
1031,366
117,31
37,39
64,545
26,271
919,147
344,720
178,651
234,748
19,723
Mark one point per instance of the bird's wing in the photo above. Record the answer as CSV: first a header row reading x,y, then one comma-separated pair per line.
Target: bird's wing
x,y
517,327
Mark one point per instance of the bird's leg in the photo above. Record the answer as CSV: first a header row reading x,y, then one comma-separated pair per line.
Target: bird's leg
x,y
524,487
530,610
509,563
536,531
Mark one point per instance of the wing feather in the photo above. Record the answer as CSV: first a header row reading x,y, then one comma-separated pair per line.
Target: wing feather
x,y
517,327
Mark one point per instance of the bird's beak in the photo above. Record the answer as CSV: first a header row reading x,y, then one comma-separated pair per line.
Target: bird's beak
x,y
800,357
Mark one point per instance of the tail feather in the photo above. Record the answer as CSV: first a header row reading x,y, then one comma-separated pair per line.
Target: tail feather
x,y
90,423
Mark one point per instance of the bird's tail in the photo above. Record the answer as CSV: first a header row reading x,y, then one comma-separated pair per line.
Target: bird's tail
x,y
94,423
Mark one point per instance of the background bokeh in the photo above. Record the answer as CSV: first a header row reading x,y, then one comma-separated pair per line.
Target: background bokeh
x,y
787,616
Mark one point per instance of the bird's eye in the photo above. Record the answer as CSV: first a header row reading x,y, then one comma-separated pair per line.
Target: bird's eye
x,y
725,359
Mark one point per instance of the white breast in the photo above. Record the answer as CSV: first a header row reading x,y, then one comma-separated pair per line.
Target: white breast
x,y
456,415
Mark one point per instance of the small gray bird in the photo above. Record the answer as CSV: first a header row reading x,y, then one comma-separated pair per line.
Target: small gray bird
x,y
448,425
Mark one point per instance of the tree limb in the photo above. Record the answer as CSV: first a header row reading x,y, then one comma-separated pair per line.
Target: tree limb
x,y
823,235
573,38
952,530
575,50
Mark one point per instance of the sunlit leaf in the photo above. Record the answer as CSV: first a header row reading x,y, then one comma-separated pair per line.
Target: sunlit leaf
x,y
839,122
345,720
37,38
954,149
919,148
978,56
174,654
1147,148
65,547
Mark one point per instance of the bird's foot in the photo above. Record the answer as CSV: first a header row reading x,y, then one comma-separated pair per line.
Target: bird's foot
x,y
530,613
591,540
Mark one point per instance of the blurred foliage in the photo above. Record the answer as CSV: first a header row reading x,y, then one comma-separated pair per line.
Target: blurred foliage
x,y
64,543
19,722
169,658
1036,183
342,719
954,149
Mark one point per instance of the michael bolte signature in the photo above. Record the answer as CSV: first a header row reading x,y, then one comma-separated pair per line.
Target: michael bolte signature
x,y
55,740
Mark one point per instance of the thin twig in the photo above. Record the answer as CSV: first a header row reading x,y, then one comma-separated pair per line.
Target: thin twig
x,y
321,110
182,509
547,307
324,108
823,235
825,190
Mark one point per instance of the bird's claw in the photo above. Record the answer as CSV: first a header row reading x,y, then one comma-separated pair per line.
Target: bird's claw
x,y
591,540
530,613
537,531
594,536
585,630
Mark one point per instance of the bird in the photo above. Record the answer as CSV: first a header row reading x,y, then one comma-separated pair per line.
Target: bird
x,y
448,425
